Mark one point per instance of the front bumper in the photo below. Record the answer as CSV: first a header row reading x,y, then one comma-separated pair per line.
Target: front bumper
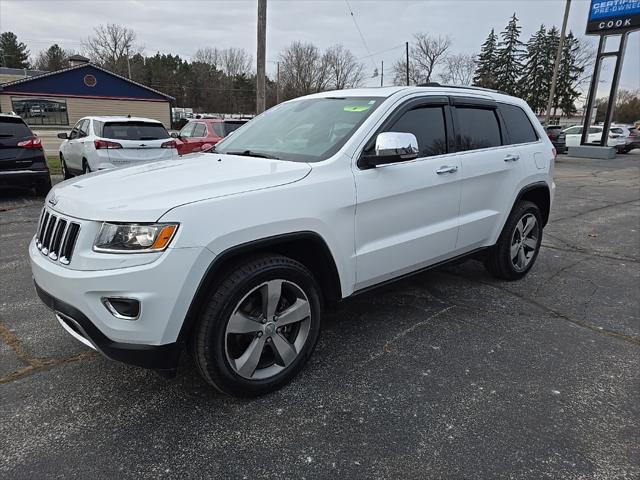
x,y
160,357
164,288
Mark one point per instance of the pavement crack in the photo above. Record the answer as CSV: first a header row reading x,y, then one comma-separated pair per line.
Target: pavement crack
x,y
386,348
575,249
37,364
581,323
570,217
14,342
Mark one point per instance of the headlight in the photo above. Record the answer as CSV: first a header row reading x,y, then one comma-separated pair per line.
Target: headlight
x,y
134,237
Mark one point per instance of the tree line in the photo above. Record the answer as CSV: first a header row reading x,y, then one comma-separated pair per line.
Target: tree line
x,y
223,80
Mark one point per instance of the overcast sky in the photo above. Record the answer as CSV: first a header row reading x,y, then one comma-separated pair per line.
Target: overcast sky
x,y
181,27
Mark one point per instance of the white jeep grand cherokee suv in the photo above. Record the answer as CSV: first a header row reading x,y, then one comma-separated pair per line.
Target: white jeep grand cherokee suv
x,y
235,253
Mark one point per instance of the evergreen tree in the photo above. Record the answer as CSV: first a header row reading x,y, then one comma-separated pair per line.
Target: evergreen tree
x,y
537,71
485,72
508,59
568,77
53,58
13,54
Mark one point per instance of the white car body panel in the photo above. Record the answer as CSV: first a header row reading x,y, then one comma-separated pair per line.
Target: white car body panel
x,y
377,224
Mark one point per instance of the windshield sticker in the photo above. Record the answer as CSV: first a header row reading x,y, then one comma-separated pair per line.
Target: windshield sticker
x,y
357,108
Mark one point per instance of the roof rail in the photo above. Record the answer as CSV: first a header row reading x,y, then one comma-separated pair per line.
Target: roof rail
x,y
463,87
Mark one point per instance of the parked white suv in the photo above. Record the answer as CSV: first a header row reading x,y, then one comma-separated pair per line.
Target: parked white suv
x,y
235,253
99,143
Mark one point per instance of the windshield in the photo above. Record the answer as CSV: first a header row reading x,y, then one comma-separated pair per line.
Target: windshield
x,y
309,130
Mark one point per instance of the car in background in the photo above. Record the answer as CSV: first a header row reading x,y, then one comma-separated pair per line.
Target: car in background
x,y
615,137
557,137
204,133
99,143
22,159
632,140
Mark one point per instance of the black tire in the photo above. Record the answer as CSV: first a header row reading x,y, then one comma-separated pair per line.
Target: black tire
x,y
209,341
498,259
43,188
65,171
85,167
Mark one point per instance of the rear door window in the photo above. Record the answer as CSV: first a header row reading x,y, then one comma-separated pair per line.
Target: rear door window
x,y
477,128
134,131
11,127
428,125
518,124
200,130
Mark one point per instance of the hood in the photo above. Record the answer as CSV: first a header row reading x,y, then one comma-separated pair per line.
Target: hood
x,y
143,193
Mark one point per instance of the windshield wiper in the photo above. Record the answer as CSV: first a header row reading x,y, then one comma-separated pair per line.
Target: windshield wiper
x,y
251,153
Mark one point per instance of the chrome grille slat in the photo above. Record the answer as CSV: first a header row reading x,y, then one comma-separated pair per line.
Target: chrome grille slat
x,y
56,237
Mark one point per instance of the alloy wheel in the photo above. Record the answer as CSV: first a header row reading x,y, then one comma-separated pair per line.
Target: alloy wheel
x,y
524,242
267,329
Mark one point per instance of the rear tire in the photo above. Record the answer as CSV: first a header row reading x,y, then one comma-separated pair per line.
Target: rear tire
x,y
517,248
85,166
258,327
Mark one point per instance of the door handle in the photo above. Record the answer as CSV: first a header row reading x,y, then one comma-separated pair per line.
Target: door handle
x,y
512,158
446,169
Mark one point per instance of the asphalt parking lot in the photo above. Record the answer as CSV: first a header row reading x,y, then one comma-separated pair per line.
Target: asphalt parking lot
x,y
448,374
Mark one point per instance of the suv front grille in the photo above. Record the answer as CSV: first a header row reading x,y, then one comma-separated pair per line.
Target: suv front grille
x,y
56,237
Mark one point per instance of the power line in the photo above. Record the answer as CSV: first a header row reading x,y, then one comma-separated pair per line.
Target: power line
x,y
381,52
364,42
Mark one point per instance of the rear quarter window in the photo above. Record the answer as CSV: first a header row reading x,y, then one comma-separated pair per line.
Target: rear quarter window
x,y
14,127
518,124
134,131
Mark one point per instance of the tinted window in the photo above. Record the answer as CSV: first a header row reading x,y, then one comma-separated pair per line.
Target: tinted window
x,y
518,124
134,131
13,127
428,125
477,128
200,130
231,126
594,130
573,130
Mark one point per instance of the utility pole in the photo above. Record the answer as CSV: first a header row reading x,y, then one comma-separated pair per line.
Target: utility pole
x,y
406,45
277,83
128,64
556,67
261,56
382,75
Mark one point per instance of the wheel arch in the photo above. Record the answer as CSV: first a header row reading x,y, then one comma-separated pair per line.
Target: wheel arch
x,y
306,247
538,193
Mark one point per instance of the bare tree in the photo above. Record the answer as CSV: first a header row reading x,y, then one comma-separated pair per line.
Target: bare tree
x,y
302,70
235,62
231,61
111,45
344,69
459,69
425,56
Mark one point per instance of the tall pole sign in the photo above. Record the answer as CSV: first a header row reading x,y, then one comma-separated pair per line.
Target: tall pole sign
x,y
609,18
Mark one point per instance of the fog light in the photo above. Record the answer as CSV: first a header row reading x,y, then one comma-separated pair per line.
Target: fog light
x,y
122,307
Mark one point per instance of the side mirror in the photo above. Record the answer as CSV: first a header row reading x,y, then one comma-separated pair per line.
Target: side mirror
x,y
391,147
64,136
175,135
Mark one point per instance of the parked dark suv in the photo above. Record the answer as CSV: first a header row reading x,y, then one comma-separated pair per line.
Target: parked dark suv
x,y
557,137
22,159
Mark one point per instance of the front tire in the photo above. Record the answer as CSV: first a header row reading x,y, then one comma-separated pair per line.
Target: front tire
x,y
259,327
517,248
65,171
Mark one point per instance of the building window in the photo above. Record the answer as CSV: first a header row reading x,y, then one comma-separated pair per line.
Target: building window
x,y
41,111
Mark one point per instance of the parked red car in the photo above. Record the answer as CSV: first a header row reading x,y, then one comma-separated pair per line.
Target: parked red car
x,y
205,131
